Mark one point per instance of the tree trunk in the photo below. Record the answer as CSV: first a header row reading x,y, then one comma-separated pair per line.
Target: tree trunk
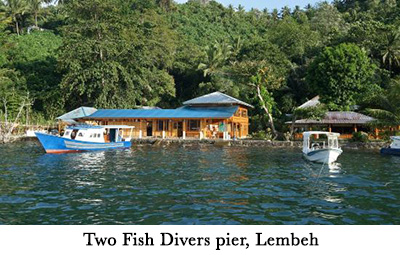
x,y
8,127
36,23
292,125
271,119
16,26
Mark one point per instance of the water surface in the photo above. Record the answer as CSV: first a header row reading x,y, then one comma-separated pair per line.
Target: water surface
x,y
198,184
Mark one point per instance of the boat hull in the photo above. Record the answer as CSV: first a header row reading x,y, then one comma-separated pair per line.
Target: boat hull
x,y
56,144
325,156
390,151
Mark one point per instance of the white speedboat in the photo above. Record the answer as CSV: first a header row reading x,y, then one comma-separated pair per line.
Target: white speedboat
x,y
321,147
394,147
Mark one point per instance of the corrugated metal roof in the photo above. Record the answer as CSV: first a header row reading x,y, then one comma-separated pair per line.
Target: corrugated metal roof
x,y
185,112
216,98
338,118
77,113
310,103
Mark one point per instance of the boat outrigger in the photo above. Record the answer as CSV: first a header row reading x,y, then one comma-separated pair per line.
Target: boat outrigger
x,y
87,138
393,148
322,151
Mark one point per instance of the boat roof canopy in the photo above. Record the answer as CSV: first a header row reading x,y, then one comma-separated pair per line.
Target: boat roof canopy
x,y
99,127
84,127
310,133
117,126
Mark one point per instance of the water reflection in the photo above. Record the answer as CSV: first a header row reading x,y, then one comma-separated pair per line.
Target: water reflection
x,y
196,185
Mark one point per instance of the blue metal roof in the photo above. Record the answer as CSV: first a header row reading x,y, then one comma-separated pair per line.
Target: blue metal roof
x,y
185,112
216,98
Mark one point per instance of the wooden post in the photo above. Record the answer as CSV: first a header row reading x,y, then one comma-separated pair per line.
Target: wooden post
x,y
155,128
225,132
184,130
140,129
355,128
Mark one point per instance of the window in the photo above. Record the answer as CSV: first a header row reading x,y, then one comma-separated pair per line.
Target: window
x,y
194,125
244,113
98,135
160,125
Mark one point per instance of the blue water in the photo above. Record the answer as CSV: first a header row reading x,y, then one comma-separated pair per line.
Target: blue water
x,y
198,184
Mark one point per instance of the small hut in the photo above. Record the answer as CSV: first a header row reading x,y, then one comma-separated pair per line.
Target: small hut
x,y
343,122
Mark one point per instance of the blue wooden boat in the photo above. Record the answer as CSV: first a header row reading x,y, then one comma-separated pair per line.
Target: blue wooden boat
x,y
394,147
87,138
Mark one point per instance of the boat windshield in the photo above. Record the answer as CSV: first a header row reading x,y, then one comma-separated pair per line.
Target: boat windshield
x,y
395,143
322,141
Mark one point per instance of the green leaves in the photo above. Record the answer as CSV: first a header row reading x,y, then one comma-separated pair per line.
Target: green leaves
x,y
340,74
115,57
385,107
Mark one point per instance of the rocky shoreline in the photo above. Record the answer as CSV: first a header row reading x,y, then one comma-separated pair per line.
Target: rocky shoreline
x,y
253,143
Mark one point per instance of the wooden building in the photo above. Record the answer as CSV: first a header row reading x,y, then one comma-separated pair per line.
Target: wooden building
x,y
343,122
211,116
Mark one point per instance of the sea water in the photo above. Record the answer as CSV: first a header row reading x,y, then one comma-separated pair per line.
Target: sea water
x,y
197,184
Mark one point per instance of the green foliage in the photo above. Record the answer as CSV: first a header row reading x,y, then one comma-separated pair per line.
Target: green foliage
x,y
122,54
12,93
295,39
329,22
340,75
360,137
385,107
262,135
120,62
35,57
314,113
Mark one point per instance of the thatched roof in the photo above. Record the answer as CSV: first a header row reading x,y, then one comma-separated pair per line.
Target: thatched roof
x,y
337,118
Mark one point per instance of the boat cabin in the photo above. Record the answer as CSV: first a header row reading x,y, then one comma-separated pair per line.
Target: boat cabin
x,y
98,134
317,140
395,142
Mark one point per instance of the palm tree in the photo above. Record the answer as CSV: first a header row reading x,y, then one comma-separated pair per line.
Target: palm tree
x,y
217,55
391,52
385,107
241,8
35,7
165,4
286,12
15,9
275,14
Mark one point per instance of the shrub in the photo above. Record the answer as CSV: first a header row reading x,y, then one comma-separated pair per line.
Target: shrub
x,y
360,137
262,135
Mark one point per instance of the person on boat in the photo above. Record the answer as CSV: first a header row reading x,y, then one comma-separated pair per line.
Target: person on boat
x,y
120,135
106,137
73,134
214,133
